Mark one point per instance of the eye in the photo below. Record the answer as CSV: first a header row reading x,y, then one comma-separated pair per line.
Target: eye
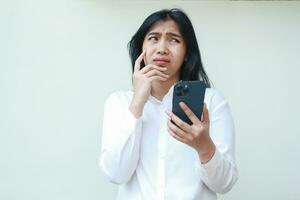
x,y
152,38
175,40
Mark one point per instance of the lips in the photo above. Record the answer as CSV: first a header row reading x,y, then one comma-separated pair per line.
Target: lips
x,y
161,60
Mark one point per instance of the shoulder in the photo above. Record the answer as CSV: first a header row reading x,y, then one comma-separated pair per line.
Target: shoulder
x,y
214,94
214,98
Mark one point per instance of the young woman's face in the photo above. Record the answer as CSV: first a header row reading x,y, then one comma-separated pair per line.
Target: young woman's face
x,y
165,46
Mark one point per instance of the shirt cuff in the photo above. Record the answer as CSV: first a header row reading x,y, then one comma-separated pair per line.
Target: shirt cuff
x,y
213,163
134,124
130,125
126,126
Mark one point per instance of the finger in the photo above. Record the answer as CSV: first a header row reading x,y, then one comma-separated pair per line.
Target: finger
x,y
150,67
137,64
176,136
194,119
159,78
205,114
180,133
156,72
181,124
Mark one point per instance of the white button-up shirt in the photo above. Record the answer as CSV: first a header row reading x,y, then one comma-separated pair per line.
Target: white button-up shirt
x,y
149,164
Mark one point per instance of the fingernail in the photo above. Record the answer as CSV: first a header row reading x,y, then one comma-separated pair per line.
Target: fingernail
x,y
181,104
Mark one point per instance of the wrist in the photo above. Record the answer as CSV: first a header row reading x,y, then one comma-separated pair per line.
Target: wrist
x,y
136,109
206,150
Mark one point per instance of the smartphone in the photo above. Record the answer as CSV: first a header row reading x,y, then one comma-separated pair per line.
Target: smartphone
x,y
192,93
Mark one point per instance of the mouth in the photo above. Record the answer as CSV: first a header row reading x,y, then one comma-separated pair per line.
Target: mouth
x,y
161,61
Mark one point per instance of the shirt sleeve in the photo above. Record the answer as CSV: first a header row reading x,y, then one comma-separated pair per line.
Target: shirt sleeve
x,y
120,140
220,173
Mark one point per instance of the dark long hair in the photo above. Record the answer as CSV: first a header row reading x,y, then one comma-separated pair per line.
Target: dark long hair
x,y
192,68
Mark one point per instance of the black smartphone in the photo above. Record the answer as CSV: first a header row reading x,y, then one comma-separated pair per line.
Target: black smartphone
x,y
192,93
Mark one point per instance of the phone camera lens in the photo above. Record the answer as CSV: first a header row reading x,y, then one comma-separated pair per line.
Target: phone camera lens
x,y
185,89
179,90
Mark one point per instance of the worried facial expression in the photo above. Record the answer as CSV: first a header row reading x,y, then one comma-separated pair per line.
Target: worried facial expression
x,y
165,46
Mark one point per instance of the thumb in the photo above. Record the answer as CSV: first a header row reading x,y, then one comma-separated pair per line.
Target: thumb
x,y
205,114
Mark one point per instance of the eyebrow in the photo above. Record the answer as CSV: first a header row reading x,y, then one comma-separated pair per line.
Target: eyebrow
x,y
168,33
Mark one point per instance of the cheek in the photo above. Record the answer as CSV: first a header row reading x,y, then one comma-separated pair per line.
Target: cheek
x,y
149,52
181,55
147,47
144,46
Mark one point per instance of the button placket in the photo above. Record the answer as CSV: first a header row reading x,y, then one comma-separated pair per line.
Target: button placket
x,y
161,158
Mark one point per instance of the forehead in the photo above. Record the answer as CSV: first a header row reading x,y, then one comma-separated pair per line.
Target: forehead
x,y
164,26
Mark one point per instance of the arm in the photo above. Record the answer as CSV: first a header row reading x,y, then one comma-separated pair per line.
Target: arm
x,y
220,172
122,126
213,139
120,140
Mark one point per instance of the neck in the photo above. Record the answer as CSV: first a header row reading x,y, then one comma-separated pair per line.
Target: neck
x,y
160,88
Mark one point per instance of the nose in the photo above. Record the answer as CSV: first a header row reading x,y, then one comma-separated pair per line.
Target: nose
x,y
162,49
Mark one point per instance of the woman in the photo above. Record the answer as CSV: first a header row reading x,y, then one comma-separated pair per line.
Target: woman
x,y
150,157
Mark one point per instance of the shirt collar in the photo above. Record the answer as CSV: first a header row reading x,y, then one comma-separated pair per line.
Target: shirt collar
x,y
166,99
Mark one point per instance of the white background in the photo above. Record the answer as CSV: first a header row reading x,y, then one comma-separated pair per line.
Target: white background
x,y
60,59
